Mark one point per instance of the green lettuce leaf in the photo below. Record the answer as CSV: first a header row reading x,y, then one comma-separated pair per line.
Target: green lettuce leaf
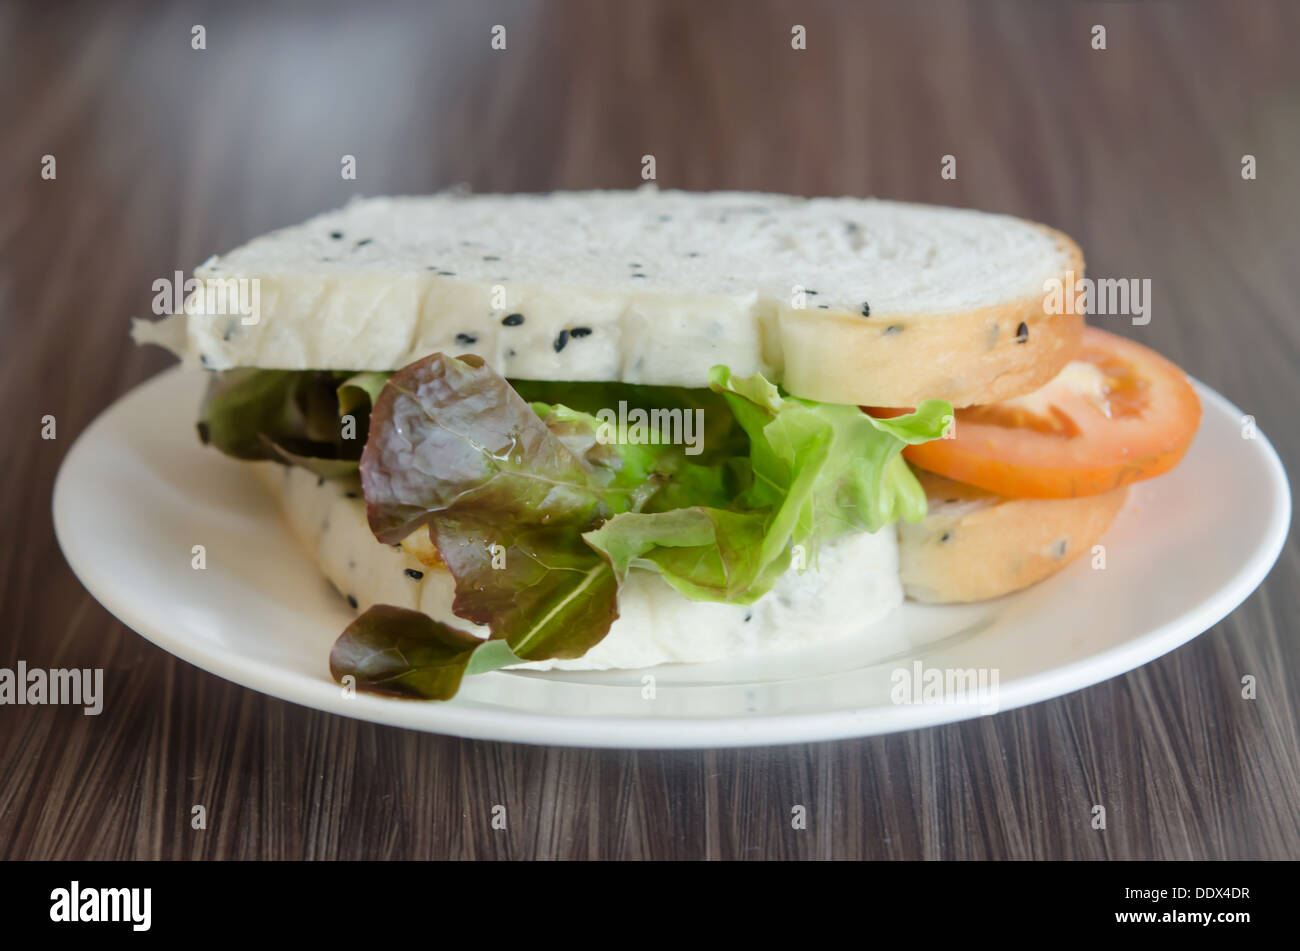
x,y
705,553
403,653
818,470
358,393
830,468
291,416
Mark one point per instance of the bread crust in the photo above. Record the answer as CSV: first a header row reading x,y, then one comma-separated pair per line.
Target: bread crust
x,y
975,545
897,360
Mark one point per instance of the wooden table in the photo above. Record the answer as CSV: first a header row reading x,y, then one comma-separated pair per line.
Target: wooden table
x,y
166,154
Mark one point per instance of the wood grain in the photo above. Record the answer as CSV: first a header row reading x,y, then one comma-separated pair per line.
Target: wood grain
x,y
166,154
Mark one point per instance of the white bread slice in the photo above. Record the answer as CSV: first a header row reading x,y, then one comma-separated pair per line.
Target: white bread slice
x,y
974,545
655,287
854,585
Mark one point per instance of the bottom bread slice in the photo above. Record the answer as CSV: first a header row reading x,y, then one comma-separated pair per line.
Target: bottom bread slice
x,y
974,545
853,584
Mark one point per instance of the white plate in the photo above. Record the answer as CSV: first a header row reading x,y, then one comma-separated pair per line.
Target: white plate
x,y
137,492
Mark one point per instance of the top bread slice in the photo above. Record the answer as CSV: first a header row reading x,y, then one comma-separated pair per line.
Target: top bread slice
x,y
843,300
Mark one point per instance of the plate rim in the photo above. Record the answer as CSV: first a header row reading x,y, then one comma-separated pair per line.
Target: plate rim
x,y
474,721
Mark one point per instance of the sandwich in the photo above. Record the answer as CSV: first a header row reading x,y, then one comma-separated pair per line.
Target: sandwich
x,y
597,430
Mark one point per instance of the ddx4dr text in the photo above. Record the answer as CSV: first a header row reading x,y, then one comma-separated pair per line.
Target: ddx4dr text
x,y
1159,894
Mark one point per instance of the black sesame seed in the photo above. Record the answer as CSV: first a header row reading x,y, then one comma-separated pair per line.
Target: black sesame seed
x,y
1060,548
893,329
431,267
810,291
204,361
561,340
336,235
490,257
512,320
638,275
950,501
577,333
510,352
866,309
448,273
466,339
1022,333
634,265
352,495
692,254
945,536
320,481
748,615
823,306
364,241
352,601
413,573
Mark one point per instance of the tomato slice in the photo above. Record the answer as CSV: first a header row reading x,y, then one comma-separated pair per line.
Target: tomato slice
x,y
1116,414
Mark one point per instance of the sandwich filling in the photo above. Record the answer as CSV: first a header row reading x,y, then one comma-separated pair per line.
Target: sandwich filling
x,y
545,501
854,585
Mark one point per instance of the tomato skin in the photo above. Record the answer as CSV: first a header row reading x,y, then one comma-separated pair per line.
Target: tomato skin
x,y
1119,414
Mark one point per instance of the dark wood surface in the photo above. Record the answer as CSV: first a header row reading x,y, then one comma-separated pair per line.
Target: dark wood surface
x,y
165,155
